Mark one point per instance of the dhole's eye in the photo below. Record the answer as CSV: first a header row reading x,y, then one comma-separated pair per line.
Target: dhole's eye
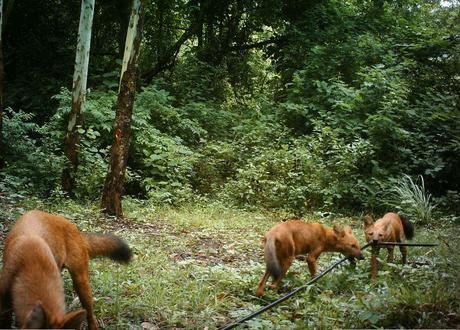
x,y
354,246
380,235
371,233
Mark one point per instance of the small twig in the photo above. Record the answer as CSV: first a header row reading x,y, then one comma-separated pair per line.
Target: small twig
x,y
446,243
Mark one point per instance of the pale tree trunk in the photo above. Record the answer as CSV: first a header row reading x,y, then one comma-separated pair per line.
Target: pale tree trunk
x,y
113,187
72,138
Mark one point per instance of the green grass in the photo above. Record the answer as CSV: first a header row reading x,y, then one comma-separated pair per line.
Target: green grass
x,y
198,266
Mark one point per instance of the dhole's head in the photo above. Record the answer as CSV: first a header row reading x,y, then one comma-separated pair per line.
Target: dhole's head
x,y
347,242
375,231
37,318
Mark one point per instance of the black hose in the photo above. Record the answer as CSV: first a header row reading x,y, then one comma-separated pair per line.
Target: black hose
x,y
313,280
280,300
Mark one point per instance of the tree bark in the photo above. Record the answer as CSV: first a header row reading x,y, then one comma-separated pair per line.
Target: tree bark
x,y
113,187
7,12
72,139
2,78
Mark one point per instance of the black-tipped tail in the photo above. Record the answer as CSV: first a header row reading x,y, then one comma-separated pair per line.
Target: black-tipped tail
x,y
107,245
271,260
408,227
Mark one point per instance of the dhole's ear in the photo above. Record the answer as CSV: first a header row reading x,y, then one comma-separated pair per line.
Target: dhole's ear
x,y
36,319
368,220
387,226
74,320
338,230
348,230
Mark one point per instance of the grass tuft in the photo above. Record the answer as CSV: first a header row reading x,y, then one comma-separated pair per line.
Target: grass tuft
x,y
413,199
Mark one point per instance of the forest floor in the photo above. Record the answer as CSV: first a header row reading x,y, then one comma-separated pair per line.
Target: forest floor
x,y
198,267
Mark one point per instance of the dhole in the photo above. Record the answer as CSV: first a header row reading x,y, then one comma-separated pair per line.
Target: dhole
x,y
37,248
391,228
288,239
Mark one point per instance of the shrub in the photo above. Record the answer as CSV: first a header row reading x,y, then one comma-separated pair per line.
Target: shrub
x,y
163,165
32,164
153,107
313,172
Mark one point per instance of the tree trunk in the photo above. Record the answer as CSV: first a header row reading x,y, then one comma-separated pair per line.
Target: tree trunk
x,y
4,14
113,187
2,80
72,139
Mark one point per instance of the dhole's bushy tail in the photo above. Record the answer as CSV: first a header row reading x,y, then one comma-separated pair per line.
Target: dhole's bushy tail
x,y
106,245
271,260
408,227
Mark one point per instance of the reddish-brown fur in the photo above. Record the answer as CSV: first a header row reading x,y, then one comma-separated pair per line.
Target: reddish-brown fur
x,y
288,239
390,228
38,247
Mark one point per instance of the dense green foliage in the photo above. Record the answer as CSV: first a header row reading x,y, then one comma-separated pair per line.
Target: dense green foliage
x,y
348,98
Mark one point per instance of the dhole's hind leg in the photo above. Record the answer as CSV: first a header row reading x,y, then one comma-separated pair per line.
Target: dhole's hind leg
x,y
6,308
285,266
261,286
403,250
81,285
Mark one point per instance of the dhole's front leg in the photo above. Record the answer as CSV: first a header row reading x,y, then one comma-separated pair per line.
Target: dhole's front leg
x,y
374,261
81,285
311,260
352,262
390,257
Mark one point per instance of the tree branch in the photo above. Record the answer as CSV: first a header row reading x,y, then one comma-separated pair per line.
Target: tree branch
x,y
169,56
273,40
